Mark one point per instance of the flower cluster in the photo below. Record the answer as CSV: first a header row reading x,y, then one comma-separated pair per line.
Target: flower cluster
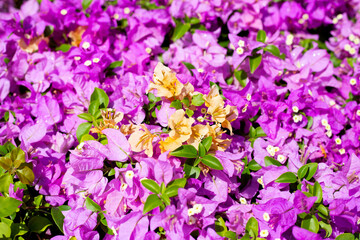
x,y
179,119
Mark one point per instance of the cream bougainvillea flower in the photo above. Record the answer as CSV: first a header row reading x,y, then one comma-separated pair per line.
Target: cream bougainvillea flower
x,y
213,99
199,132
110,119
218,144
180,125
170,144
165,82
231,115
142,140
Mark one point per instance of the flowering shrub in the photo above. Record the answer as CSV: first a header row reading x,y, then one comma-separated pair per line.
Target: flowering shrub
x,y
179,119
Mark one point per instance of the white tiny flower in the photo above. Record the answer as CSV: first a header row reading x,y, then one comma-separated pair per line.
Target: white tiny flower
x,y
200,119
270,149
248,97
198,208
192,220
329,133
353,81
335,21
301,21
338,141
310,92
77,58
63,12
351,37
328,127
352,51
200,70
96,60
357,41
295,109
243,200
239,50
289,39
148,50
126,10
264,233
241,43
123,186
281,158
86,45
87,63
266,217
114,230
358,221
358,112
191,212
124,207
339,16
296,118
244,108
332,103
260,181
342,151
129,174
116,16
232,46
305,16
347,47
324,122
276,149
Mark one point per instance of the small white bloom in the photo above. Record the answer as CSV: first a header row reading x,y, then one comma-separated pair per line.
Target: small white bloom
x,y
329,133
148,50
260,181
198,208
338,141
244,108
339,16
239,50
305,16
191,212
328,127
96,60
324,122
281,158
200,70
335,21
332,103
77,58
358,112
243,200
241,43
301,21
351,37
310,92
248,97
116,16
289,39
232,46
126,10
342,151
266,217
123,186
357,41
86,45
270,149
352,51
63,12
295,109
87,63
276,149
129,174
264,233
353,81
347,47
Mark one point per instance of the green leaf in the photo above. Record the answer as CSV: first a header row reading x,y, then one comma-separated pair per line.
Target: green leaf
x,y
190,67
252,227
86,137
25,173
261,36
345,236
5,230
83,129
38,200
3,150
153,201
241,76
310,223
187,151
351,61
17,156
18,229
5,181
172,191
255,62
327,227
63,47
260,132
186,101
202,150
287,177
180,182
39,224
115,64
101,97
246,237
151,185
271,161
197,100
86,116
302,171
58,218
318,192
91,205
207,143
5,162
176,104
231,235
312,170
86,4
180,30
254,166
152,98
189,112
212,162
191,171
220,226
323,210
64,208
165,199
310,122
274,50
93,108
